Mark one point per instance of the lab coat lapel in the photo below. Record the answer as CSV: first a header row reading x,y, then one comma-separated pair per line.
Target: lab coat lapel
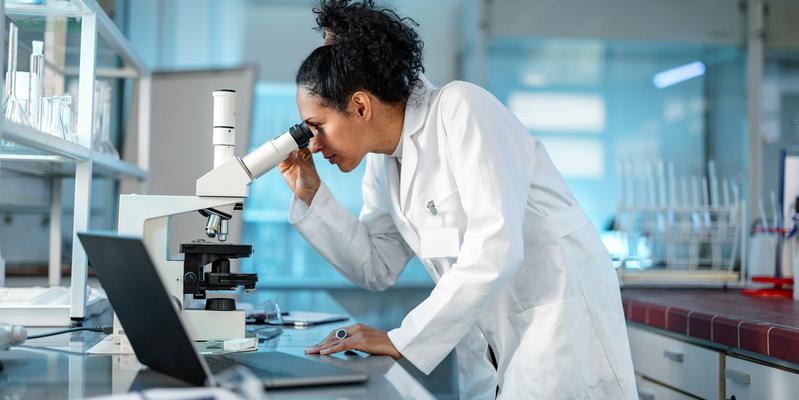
x,y
401,221
415,116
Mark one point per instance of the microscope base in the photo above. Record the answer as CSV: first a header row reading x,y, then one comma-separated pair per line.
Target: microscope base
x,y
208,325
200,324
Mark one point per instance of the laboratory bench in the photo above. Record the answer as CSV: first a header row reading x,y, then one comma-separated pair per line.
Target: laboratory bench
x,y
712,344
58,367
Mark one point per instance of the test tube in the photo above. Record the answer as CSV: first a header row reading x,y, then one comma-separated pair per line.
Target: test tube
x,y
661,183
672,185
714,183
35,85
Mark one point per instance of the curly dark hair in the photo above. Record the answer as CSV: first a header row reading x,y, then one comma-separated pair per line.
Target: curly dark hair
x,y
375,50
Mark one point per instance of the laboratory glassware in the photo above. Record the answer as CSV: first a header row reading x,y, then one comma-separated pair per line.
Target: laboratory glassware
x,y
64,114
102,120
35,84
50,118
11,107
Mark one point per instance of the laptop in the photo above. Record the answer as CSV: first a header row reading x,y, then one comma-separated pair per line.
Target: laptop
x,y
157,334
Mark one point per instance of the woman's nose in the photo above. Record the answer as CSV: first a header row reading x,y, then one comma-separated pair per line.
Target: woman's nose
x,y
315,145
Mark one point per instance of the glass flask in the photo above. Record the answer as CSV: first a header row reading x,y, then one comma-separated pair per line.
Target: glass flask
x,y
50,116
11,107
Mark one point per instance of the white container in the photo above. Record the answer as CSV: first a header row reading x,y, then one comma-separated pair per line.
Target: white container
x,y
2,270
762,255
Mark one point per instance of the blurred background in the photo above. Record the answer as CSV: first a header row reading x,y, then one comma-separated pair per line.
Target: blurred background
x,y
658,113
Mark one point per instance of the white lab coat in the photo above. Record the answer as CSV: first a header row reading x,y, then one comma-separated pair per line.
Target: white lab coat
x,y
532,278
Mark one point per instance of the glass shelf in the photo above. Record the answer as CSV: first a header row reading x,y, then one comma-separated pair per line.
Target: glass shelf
x,y
81,46
115,57
31,141
41,154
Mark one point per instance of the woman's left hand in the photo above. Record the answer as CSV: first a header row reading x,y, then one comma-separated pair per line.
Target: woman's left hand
x,y
359,337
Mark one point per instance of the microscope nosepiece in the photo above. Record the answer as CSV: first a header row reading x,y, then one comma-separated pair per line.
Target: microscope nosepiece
x,y
212,227
223,230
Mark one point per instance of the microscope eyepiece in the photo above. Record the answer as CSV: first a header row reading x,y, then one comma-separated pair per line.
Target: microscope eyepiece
x,y
301,134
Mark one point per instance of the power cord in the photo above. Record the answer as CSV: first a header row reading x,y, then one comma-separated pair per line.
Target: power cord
x,y
103,329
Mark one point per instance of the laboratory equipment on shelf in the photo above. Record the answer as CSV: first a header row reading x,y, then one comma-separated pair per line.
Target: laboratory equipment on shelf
x,y
219,193
102,120
11,107
65,118
50,118
691,233
36,84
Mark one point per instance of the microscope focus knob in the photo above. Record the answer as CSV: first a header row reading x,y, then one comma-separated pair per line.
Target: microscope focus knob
x,y
190,277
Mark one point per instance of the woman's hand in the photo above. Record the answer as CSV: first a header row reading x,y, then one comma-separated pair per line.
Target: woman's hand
x,y
359,337
300,174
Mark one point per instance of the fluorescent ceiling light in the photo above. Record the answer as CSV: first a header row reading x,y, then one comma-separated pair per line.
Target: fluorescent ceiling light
x,y
559,111
679,74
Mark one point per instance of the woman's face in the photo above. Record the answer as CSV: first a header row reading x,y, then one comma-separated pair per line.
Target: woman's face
x,y
339,136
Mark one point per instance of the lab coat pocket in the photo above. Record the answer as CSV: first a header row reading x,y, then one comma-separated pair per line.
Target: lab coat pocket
x,y
439,231
554,338
443,211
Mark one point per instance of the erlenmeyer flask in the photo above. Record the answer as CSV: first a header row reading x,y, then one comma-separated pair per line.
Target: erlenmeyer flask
x,y
50,116
11,107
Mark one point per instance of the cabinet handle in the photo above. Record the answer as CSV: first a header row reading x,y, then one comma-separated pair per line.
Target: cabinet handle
x,y
673,355
736,376
645,395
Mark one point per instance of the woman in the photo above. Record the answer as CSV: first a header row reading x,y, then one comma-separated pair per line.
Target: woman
x,y
524,286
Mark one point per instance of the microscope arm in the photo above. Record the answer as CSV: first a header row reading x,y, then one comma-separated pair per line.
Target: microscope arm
x,y
231,179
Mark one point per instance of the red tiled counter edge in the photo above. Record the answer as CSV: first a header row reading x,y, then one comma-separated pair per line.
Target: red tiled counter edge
x,y
773,340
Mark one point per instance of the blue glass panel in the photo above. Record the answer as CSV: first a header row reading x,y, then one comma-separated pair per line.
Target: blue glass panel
x,y
282,256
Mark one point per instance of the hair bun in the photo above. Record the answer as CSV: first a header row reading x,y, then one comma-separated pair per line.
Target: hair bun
x,y
374,49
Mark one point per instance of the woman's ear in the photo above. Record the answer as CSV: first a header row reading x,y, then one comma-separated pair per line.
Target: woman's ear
x,y
361,105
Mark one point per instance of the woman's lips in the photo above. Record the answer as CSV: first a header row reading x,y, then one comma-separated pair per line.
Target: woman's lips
x,y
331,159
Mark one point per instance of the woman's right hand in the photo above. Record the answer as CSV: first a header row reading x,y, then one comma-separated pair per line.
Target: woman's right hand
x,y
300,174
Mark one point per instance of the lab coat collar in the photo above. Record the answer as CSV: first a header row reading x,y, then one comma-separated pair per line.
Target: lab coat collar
x,y
398,151
415,116
416,107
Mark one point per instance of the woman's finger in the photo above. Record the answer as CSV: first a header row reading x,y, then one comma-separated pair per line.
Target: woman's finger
x,y
342,345
325,343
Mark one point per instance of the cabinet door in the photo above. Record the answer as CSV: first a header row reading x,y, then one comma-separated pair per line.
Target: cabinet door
x,y
748,380
681,365
649,390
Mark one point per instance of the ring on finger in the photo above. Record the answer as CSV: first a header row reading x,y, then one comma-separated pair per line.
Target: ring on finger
x,y
341,334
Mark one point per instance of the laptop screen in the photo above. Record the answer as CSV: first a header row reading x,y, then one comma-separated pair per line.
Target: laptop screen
x,y
143,306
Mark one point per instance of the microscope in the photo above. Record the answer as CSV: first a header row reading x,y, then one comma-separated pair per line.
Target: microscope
x,y
205,266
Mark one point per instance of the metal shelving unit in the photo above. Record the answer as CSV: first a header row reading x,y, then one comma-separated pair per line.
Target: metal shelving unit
x,y
85,56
